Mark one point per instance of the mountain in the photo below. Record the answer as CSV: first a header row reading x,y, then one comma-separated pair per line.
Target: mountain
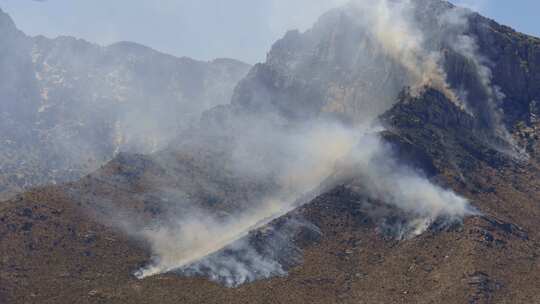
x,y
69,105
338,66
284,195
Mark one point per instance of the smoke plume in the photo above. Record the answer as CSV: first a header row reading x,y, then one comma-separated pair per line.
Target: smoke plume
x,y
456,25
300,159
393,25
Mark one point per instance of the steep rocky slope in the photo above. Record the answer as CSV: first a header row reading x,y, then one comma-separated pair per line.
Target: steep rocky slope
x,y
340,67
71,243
68,105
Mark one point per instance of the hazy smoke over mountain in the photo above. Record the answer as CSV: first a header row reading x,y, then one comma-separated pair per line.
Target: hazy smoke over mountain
x,y
301,158
393,25
304,158
296,159
304,161
70,106
418,34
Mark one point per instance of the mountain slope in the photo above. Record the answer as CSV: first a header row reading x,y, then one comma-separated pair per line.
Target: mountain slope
x,y
68,105
341,245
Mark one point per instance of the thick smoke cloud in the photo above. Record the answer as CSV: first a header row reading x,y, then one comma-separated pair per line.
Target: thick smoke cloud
x,y
302,159
295,160
418,35
382,178
393,25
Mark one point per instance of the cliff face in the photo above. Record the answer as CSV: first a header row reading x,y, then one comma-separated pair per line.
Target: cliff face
x,y
515,59
511,58
59,232
68,105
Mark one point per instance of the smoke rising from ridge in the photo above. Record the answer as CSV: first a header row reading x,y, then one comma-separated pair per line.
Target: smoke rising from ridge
x,y
301,159
298,161
418,34
393,25
457,23
307,160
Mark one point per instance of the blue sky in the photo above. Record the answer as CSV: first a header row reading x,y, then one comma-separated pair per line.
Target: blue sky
x,y
206,29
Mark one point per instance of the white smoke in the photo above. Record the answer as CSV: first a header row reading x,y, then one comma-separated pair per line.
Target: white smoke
x,y
457,23
298,160
382,178
303,158
393,25
199,235
419,46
